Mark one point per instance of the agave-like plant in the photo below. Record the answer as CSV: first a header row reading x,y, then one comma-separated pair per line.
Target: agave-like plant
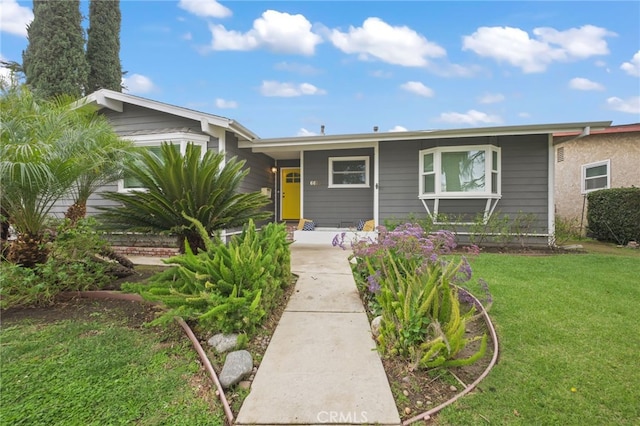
x,y
176,185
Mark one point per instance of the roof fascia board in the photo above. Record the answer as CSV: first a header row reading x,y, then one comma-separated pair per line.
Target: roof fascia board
x,y
114,100
339,140
304,147
108,102
242,131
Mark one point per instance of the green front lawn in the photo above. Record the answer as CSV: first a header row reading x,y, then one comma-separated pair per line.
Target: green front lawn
x,y
99,371
570,342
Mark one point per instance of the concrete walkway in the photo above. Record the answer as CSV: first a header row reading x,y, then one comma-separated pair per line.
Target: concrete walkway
x,y
321,366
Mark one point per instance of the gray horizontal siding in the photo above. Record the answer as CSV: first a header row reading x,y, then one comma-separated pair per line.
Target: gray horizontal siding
x,y
95,200
399,181
134,119
524,178
525,184
335,206
259,165
260,174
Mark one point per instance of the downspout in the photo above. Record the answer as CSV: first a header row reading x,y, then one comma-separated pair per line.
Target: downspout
x,y
276,174
301,184
551,202
376,186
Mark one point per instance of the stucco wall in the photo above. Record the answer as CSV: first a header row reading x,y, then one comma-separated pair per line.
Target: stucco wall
x,y
621,149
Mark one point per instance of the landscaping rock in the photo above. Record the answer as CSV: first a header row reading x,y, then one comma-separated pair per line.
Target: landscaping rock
x,y
573,247
224,342
236,367
375,326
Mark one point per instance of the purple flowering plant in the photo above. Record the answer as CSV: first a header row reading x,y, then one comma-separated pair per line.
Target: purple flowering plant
x,y
410,277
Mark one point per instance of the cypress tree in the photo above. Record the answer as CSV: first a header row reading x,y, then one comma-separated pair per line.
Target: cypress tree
x,y
103,46
54,61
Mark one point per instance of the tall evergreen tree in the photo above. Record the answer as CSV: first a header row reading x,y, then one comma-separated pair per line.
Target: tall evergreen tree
x,y
54,61
103,46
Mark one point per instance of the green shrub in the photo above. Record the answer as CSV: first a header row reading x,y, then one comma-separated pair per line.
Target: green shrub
x,y
226,288
70,266
405,276
567,229
614,214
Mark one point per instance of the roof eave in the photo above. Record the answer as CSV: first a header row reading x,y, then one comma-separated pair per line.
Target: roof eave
x,y
368,138
113,100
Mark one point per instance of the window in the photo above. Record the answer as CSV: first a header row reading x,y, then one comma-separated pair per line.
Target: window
x,y
153,142
595,176
292,177
460,172
348,172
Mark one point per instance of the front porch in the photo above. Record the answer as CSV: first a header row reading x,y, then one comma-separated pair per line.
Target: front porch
x,y
326,235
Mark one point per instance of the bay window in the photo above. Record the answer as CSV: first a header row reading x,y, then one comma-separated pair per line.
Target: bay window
x,y
460,172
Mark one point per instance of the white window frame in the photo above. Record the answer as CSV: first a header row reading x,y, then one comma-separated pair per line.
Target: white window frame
x,y
364,158
181,139
491,197
437,165
583,180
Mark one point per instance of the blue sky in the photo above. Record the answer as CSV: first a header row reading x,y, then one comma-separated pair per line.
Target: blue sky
x,y
286,68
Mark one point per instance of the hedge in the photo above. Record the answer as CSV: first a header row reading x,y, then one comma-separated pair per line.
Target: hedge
x,y
614,215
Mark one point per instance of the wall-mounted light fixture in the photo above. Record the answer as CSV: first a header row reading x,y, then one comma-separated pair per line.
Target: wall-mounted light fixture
x,y
274,170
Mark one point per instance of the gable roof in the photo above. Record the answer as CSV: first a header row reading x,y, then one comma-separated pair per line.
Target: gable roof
x,y
113,100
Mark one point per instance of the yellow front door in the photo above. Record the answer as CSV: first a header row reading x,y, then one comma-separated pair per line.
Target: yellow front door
x,y
290,187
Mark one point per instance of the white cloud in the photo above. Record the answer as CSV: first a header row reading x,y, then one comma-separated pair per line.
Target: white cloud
x,y
524,115
535,54
630,105
187,36
305,132
14,18
580,43
418,88
138,83
224,104
5,73
276,31
398,128
289,90
633,66
303,69
491,98
580,83
205,8
394,45
472,117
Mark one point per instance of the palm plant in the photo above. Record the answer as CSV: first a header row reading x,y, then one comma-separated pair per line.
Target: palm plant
x,y
44,156
33,174
100,156
179,185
